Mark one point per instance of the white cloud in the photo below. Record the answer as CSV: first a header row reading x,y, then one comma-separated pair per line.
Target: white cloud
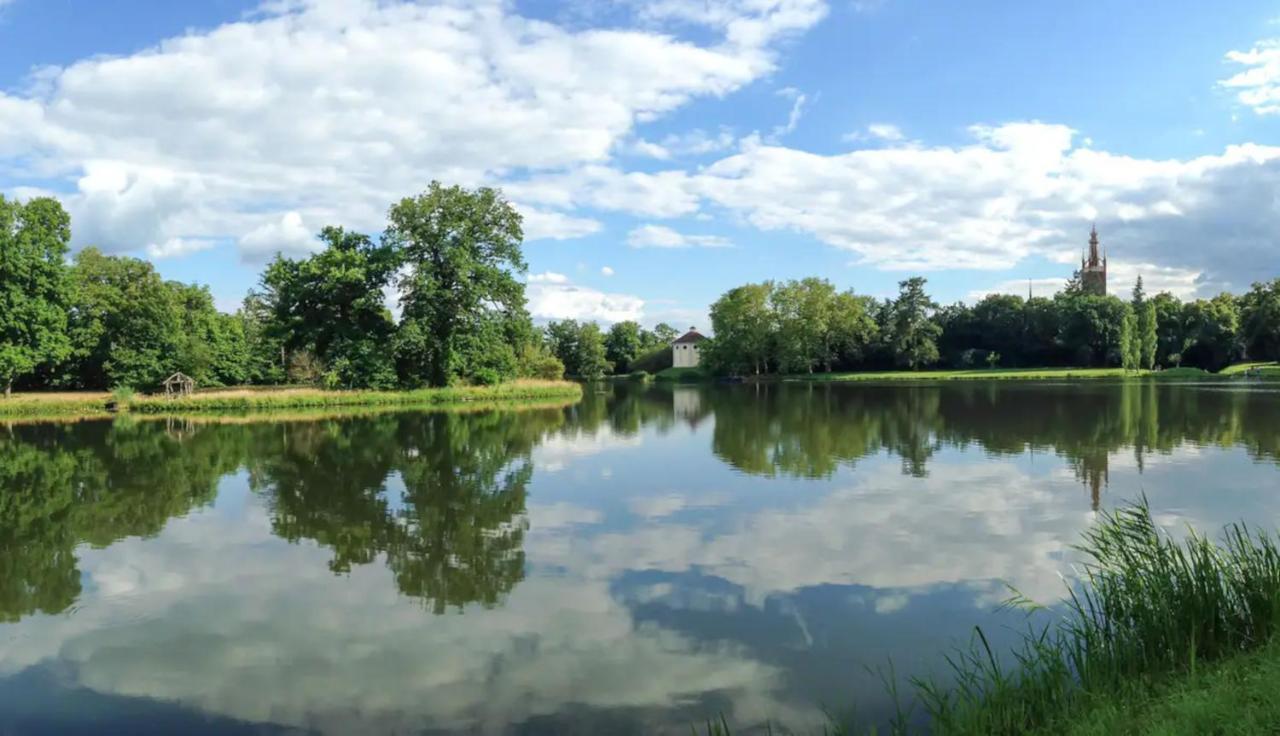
x,y
334,108
1019,189
606,271
546,225
288,236
548,277
798,100
661,236
877,132
178,247
1258,86
696,142
1121,277
552,296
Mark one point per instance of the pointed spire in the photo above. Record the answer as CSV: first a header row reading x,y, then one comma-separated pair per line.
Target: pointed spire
x,y
1093,245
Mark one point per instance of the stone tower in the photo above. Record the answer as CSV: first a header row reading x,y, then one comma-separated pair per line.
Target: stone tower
x,y
1093,270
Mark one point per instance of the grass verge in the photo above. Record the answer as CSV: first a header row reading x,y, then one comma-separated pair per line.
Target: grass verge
x,y
247,400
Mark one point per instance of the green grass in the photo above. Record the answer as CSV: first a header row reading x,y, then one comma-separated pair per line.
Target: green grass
x,y
234,401
975,374
1241,368
1148,611
1238,697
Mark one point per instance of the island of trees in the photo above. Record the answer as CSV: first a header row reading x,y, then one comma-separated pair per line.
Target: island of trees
x,y
453,256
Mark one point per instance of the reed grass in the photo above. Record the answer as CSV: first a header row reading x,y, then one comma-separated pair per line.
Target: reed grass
x,y
235,401
1148,616
1147,608
239,401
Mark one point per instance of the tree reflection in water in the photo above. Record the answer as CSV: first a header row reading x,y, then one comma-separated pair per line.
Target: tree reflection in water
x,y
440,497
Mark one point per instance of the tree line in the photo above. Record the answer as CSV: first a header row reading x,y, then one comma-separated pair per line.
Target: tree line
x,y
451,255
808,326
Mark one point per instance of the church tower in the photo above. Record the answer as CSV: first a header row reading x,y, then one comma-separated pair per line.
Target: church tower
x,y
1093,270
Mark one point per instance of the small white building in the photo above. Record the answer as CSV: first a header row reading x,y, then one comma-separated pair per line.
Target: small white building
x,y
685,350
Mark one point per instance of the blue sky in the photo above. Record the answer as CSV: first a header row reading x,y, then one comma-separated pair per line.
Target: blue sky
x,y
665,150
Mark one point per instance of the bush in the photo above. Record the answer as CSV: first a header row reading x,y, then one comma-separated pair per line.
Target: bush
x,y
640,376
655,361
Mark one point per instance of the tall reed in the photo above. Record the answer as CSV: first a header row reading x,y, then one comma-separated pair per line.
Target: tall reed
x,y
1146,607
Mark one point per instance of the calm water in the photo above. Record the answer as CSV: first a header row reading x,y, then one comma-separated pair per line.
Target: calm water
x,y
649,557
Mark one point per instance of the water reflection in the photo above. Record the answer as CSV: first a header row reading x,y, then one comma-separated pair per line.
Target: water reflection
x,y
628,564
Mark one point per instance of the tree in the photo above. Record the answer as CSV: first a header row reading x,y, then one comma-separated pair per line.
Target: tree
x,y
1148,340
744,324
1130,349
1214,328
1260,320
913,335
623,343
34,287
580,346
125,327
332,305
802,316
460,248
664,334
1171,331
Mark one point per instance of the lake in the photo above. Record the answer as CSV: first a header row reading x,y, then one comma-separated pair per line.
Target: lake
x,y
648,558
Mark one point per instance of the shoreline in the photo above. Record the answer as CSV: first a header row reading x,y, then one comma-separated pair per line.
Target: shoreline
x,y
239,402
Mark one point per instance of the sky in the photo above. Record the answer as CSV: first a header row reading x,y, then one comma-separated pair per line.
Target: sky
x,y
664,151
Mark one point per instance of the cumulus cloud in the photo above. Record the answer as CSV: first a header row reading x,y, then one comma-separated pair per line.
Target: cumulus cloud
x,y
1258,86
606,271
334,108
552,296
287,235
661,236
1016,190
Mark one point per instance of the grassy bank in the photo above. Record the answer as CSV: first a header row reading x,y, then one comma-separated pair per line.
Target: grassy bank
x,y
233,401
1149,615
1000,374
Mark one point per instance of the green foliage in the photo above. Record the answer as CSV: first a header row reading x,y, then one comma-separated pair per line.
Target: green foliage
x,y
580,347
536,361
1260,318
792,327
34,289
1148,606
331,305
912,335
1148,340
459,248
1128,344
656,360
623,344
125,323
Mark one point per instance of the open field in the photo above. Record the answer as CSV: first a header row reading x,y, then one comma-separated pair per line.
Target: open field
x,y
240,400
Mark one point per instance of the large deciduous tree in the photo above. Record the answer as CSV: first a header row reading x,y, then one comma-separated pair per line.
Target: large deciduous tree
x,y
332,305
125,326
461,251
34,288
1260,320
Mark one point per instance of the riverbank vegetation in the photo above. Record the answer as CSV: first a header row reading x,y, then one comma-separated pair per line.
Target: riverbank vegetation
x,y
1148,612
452,257
285,398
1159,636
808,327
